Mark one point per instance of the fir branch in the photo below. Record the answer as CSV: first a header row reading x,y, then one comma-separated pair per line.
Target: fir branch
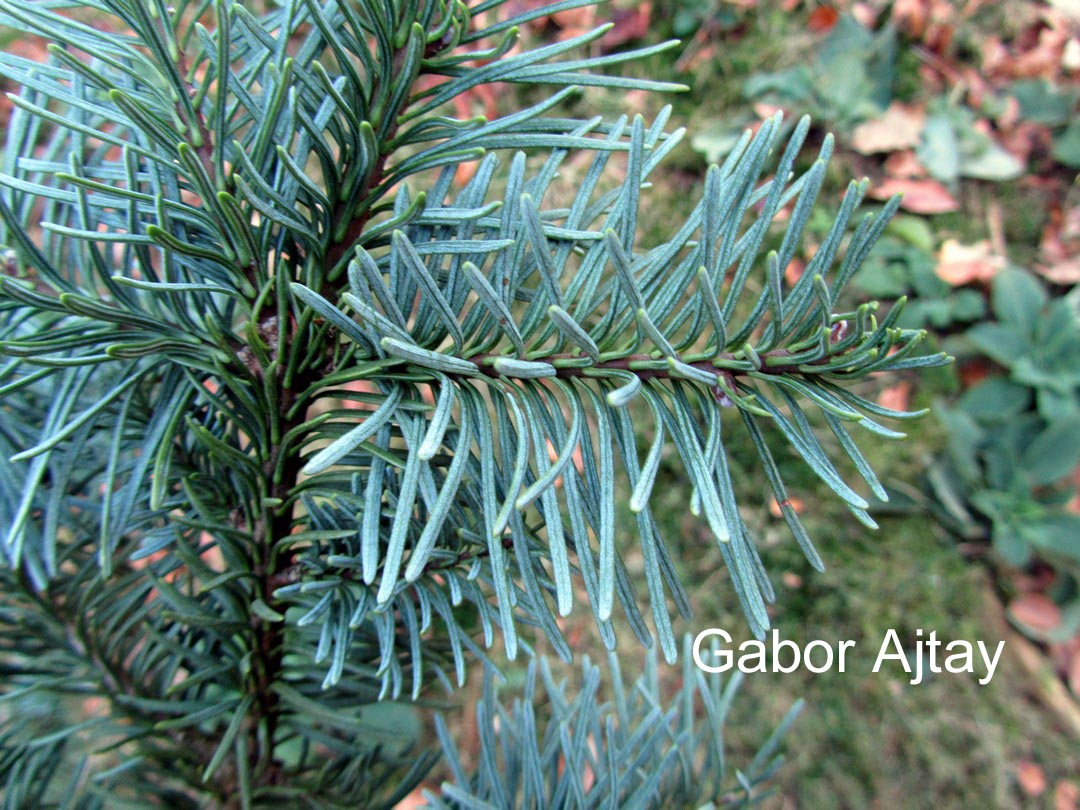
x,y
285,437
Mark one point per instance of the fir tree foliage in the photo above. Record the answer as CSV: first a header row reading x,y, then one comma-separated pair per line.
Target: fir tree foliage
x,y
636,754
293,422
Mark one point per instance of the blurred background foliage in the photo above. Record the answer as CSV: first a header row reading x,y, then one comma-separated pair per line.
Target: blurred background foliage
x,y
969,109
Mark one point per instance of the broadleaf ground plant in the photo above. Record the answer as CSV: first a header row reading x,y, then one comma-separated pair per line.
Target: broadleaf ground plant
x,y
296,421
1014,439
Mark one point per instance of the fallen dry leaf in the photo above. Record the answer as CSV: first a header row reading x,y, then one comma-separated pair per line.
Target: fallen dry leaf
x,y
1042,60
904,165
1050,693
1031,777
822,19
1061,654
637,100
899,127
763,110
631,24
573,22
1070,55
960,264
694,57
993,54
1066,796
27,47
578,18
95,706
413,801
931,22
1034,611
1065,273
977,86
896,397
1026,140
910,16
1059,248
791,580
797,506
1038,580
1040,45
794,270
939,35
1009,116
865,14
1070,226
1069,9
920,196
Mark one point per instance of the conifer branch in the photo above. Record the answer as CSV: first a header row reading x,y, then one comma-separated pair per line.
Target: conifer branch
x,y
297,419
